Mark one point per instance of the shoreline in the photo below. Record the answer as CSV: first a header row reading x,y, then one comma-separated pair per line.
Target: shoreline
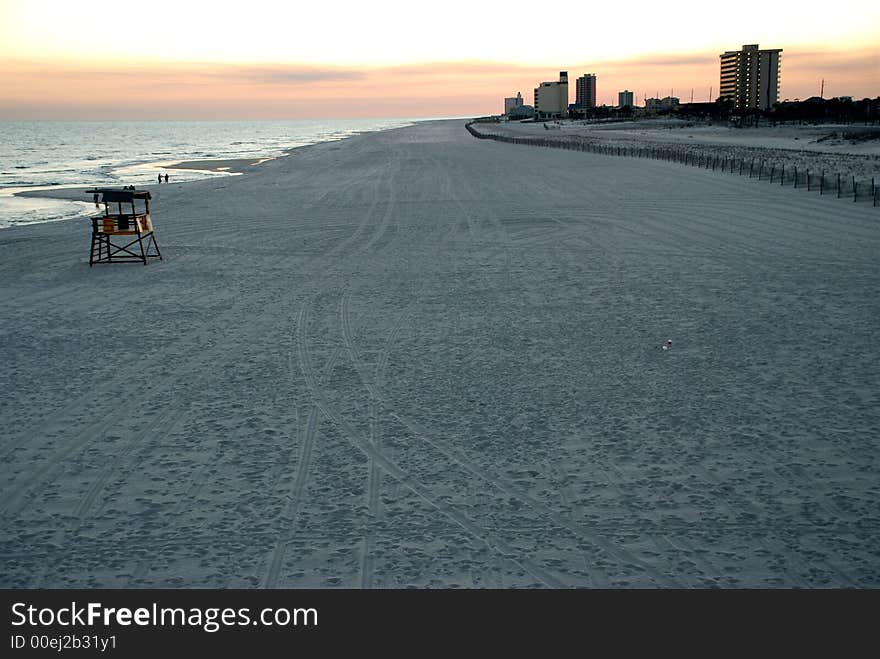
x,y
225,166
228,167
217,166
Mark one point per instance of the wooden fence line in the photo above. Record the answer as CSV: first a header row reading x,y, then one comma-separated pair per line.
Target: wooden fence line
x,y
846,187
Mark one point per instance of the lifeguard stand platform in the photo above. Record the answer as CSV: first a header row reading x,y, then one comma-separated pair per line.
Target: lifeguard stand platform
x,y
111,230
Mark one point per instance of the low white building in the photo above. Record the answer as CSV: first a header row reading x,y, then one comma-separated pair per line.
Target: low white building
x,y
512,102
661,104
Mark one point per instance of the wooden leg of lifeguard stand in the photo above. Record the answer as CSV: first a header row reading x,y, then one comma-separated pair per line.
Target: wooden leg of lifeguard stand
x,y
97,249
141,245
156,245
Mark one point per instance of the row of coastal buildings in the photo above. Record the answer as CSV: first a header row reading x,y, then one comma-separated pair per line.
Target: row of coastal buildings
x,y
749,78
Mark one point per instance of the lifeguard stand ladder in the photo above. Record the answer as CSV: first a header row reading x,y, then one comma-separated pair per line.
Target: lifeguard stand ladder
x,y
106,228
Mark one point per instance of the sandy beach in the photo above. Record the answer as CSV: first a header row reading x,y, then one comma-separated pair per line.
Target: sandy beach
x,y
416,359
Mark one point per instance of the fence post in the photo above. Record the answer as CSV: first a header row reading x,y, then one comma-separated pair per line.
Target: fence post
x,y
782,176
855,194
838,185
808,180
822,184
795,176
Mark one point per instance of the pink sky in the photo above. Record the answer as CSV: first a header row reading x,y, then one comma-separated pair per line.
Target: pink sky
x,y
35,89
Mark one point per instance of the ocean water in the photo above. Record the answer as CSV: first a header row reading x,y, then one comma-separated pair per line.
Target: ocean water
x,y
56,154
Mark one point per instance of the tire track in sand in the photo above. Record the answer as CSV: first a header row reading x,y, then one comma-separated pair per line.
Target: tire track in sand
x,y
396,472
295,499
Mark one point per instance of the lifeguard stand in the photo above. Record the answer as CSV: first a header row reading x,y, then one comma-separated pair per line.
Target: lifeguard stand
x,y
106,228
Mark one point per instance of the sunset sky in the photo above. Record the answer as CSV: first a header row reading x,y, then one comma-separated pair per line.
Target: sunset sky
x,y
94,59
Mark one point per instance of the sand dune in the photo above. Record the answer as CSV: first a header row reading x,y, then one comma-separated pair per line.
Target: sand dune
x,y
413,358
848,150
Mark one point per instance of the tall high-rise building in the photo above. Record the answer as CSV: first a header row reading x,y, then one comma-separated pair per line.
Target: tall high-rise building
x,y
551,98
750,77
585,91
624,98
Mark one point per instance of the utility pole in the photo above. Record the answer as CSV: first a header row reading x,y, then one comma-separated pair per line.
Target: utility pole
x,y
822,89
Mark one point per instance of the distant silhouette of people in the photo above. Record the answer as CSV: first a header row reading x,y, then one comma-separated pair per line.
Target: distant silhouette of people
x,y
160,178
166,178
97,205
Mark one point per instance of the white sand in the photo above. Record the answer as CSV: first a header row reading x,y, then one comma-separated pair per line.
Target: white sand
x,y
413,358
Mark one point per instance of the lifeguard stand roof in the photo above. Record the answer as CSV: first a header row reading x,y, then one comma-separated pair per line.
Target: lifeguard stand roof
x,y
120,195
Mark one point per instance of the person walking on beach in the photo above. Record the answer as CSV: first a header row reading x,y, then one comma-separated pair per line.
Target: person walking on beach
x,y
160,178
166,178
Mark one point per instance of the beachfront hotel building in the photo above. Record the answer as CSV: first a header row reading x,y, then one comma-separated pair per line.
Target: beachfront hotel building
x,y
585,91
750,77
511,103
624,99
551,98
653,105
